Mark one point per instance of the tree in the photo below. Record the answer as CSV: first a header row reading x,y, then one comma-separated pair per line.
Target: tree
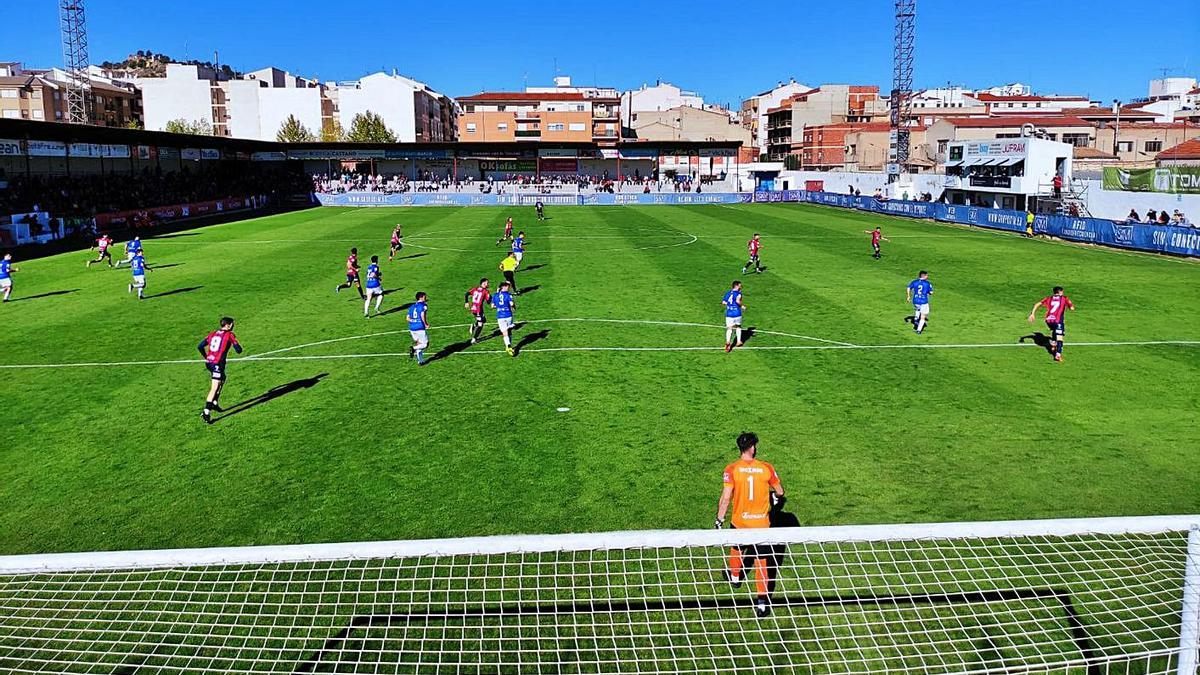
x,y
134,124
331,132
292,131
367,127
199,127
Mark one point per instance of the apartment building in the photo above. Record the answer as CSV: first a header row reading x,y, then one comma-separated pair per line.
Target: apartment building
x,y
40,95
256,104
829,104
661,96
559,113
1029,104
756,110
1071,130
866,148
685,123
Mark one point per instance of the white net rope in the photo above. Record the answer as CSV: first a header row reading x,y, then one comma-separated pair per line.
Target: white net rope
x,y
632,602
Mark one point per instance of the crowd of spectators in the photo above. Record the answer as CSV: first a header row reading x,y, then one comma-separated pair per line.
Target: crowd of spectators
x,y
85,195
1160,218
545,183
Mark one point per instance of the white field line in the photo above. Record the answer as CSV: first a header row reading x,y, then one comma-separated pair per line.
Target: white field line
x,y
822,347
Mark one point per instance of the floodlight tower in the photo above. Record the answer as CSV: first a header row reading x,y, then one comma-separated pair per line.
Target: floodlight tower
x,y
75,61
902,82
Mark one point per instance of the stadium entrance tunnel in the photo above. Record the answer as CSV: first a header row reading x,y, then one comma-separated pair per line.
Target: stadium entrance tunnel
x,y
997,630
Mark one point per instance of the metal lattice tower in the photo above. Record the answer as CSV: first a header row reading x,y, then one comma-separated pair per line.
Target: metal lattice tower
x,y
75,61
902,78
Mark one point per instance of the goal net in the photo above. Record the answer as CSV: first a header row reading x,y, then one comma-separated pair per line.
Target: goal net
x,y
1067,596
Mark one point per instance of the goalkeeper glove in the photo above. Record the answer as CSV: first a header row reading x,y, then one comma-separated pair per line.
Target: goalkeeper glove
x,y
718,523
777,501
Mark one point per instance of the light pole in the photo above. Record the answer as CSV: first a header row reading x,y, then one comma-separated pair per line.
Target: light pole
x,y
1117,128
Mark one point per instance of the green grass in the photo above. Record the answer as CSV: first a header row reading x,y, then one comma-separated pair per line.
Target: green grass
x,y
117,457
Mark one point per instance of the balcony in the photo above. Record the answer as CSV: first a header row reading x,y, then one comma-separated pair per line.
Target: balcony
x,y
528,133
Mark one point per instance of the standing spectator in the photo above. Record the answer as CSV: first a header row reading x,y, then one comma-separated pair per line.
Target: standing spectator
x,y
1058,184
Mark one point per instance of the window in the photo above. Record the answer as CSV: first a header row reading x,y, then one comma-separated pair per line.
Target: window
x,y
634,117
500,108
1024,105
1077,140
579,107
11,114
8,93
576,126
503,126
557,126
998,136
37,115
1154,146
1124,146
470,127
469,108
942,147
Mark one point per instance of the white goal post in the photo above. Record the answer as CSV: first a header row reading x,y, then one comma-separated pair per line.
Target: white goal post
x,y
1108,595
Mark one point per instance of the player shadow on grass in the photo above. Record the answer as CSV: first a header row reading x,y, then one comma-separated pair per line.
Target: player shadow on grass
x,y
777,552
174,291
748,333
397,308
47,294
411,256
1040,339
168,266
533,267
529,339
270,395
528,289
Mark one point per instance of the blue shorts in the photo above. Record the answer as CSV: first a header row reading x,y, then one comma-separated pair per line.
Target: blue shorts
x,y
217,370
1056,329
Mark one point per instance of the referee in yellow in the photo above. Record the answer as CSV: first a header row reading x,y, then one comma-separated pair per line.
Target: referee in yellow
x,y
509,267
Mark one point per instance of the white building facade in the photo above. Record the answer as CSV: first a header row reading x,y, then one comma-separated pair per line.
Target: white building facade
x,y
662,96
1005,173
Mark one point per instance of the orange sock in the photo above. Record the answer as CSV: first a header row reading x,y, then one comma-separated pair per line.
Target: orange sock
x,y
735,563
760,576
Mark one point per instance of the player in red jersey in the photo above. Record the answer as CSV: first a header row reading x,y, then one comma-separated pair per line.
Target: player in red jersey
x,y
352,275
215,348
508,228
102,243
876,237
397,242
754,245
474,300
1056,306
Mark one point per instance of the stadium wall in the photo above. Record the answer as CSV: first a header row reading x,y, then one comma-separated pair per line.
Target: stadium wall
x,y
1154,238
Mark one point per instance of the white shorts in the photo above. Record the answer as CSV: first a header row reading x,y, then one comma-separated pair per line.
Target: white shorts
x,y
139,281
419,337
504,324
733,322
921,310
372,292
128,256
6,283
518,255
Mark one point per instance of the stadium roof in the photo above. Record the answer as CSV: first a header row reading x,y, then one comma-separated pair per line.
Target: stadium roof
x,y
1016,121
1186,150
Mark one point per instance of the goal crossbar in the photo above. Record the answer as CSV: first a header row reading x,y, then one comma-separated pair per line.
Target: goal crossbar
x,y
1096,596
600,541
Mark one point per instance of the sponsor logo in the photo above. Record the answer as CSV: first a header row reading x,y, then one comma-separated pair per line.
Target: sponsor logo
x,y
1123,234
1162,180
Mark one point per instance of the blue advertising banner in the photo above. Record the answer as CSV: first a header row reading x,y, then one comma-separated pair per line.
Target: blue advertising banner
x,y
456,199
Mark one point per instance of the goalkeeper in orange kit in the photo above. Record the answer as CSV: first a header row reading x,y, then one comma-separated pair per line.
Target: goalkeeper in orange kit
x,y
752,487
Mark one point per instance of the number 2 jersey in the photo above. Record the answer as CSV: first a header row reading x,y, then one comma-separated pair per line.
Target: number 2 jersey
x,y
752,481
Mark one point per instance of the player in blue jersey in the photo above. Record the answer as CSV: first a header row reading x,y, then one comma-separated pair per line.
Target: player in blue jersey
x,y
503,302
417,327
6,272
733,316
374,288
133,247
518,247
918,293
137,264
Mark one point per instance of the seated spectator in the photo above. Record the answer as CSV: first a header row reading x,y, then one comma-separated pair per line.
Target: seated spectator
x,y
1133,216
1151,216
1163,218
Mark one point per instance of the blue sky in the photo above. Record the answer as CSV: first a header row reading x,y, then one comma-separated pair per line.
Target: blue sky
x,y
726,50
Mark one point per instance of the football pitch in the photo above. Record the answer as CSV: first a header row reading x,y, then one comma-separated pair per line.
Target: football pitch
x,y
619,411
